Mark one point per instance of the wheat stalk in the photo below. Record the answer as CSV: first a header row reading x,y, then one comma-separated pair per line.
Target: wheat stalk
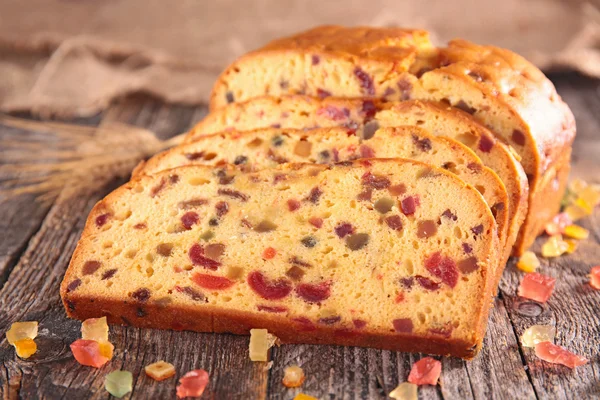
x,y
52,156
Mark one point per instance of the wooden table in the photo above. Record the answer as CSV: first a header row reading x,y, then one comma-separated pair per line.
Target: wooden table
x,y
36,243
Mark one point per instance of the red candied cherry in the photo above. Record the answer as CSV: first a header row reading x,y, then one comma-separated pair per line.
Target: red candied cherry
x,y
196,254
443,267
269,289
314,293
189,219
212,282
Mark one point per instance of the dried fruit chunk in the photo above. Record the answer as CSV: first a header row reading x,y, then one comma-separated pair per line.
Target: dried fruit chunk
x,y
22,330
160,370
119,383
87,352
536,334
212,282
595,277
528,262
405,391
314,293
554,247
95,329
269,289
293,376
426,371
536,287
192,384
25,348
558,355
558,224
302,396
576,232
443,267
260,343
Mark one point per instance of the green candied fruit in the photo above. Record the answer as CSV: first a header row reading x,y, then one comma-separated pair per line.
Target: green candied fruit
x,y
119,383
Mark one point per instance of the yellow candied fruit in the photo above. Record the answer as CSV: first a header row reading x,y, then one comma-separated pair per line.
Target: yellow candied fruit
x,y
573,244
302,396
536,334
260,343
22,330
160,370
528,262
106,349
25,348
554,247
293,376
95,329
587,208
576,232
405,391
575,213
589,195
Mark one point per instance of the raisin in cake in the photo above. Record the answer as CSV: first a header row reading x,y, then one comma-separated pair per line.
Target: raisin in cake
x,y
499,88
269,147
365,116
294,251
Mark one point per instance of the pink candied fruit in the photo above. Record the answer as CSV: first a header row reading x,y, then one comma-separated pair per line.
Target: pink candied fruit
x,y
595,277
212,282
442,267
554,354
269,289
314,293
536,287
426,371
192,384
88,352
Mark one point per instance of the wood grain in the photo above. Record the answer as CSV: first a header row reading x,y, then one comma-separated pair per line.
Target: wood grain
x,y
38,242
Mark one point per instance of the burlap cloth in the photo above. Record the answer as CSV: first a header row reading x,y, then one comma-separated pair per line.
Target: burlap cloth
x,y
72,57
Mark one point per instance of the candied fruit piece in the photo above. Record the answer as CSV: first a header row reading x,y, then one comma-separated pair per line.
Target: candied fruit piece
x,y
269,253
302,396
212,282
160,370
357,241
293,376
260,343
405,391
558,355
87,352
575,212
573,244
192,384
558,224
119,383
528,262
95,329
269,289
106,349
554,247
314,293
576,232
426,371
536,287
595,277
536,334
22,330
25,348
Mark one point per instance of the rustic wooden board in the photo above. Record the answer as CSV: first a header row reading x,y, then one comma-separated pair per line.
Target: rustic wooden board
x,y
36,243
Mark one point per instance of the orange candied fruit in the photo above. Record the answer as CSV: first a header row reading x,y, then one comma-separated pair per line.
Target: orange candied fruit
x,y
576,232
293,376
269,253
302,396
25,348
160,370
595,277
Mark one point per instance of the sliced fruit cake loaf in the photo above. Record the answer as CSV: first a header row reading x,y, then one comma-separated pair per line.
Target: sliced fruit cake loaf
x,y
499,88
269,147
365,116
293,250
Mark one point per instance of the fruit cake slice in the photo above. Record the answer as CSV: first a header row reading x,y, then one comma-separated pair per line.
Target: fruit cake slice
x,y
295,251
365,116
269,147
499,88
